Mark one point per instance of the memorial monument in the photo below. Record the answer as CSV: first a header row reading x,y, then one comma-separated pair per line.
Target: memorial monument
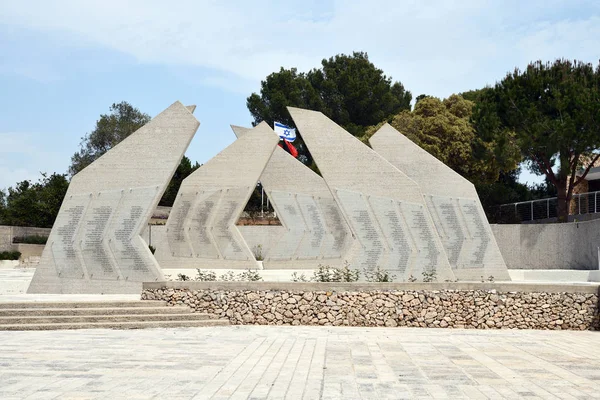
x,y
453,204
201,230
95,244
313,229
384,208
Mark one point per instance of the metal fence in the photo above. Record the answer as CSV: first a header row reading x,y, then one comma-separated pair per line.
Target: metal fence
x,y
581,203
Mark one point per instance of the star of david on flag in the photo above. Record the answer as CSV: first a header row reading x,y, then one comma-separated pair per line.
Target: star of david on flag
x,y
285,132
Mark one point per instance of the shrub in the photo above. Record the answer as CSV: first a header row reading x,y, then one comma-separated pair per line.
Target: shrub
x,y
250,276
299,278
345,274
379,275
10,255
323,273
206,276
430,276
33,239
183,277
229,276
258,253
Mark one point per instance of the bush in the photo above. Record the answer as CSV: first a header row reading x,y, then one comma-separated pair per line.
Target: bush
x,y
258,253
429,276
33,239
227,277
183,277
10,255
379,275
325,273
299,278
322,274
250,276
206,276
345,274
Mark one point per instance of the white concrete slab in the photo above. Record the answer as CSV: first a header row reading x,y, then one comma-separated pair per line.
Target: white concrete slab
x,y
95,244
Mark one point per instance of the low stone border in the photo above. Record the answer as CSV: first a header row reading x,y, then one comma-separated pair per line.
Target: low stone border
x,y
436,305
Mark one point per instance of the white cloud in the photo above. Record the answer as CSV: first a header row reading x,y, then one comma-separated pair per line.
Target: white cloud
x,y
435,47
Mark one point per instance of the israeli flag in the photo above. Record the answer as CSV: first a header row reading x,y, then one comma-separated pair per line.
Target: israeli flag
x,y
285,132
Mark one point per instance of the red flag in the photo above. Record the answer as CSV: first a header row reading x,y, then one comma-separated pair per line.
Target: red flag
x,y
289,148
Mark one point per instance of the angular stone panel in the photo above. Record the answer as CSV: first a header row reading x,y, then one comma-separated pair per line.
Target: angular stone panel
x,y
201,230
95,244
313,230
453,204
373,195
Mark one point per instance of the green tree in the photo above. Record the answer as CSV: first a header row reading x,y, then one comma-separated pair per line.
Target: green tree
x,y
279,90
506,189
554,110
35,204
112,128
444,129
184,169
2,206
348,89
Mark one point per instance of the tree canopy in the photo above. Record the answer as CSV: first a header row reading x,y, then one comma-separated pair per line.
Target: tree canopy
x,y
444,129
554,111
184,169
112,128
33,204
349,89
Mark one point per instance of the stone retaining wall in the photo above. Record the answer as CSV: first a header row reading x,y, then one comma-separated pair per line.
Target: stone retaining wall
x,y
481,308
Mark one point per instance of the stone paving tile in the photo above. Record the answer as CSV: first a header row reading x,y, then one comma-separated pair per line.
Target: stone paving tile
x,y
256,362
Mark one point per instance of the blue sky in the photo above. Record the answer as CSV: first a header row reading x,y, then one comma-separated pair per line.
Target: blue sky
x,y
64,62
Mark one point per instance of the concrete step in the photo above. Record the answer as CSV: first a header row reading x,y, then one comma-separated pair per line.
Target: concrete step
x,y
114,325
70,319
33,312
81,304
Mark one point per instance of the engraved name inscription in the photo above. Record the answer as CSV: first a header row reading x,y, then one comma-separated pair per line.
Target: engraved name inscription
x,y
96,255
124,235
479,232
455,237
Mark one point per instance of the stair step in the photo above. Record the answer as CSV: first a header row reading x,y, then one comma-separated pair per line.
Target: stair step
x,y
82,304
114,325
102,318
32,312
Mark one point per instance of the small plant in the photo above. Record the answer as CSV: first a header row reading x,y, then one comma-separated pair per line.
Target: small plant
x,y
258,252
299,278
491,278
152,248
206,276
168,277
228,276
412,279
10,255
379,275
430,276
250,276
345,274
323,273
183,277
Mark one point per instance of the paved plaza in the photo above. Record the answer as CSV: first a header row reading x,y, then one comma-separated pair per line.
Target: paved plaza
x,y
258,362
